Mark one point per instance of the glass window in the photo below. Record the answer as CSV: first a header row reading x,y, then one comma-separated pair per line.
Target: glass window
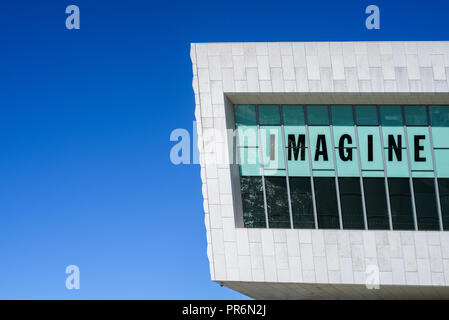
x,y
351,203
245,114
321,148
277,202
302,203
391,115
246,125
376,203
342,116
318,115
426,207
401,204
247,136
439,116
326,203
293,115
441,162
420,150
370,149
443,185
344,141
269,115
252,202
249,162
296,151
415,115
263,151
272,147
366,115
395,151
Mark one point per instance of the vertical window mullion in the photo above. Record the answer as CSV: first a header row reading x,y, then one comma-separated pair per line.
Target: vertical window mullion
x,y
286,169
437,190
337,187
362,190
385,167
262,168
309,154
412,192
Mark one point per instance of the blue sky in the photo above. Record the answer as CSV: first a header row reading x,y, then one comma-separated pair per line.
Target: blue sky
x,y
85,121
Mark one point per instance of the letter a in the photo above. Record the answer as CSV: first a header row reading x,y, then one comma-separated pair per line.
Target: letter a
x,y
373,20
73,280
72,21
180,152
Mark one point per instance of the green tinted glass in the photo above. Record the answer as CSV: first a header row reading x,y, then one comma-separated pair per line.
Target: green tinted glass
x,y
439,116
342,116
245,114
366,115
391,116
415,115
269,115
293,115
317,115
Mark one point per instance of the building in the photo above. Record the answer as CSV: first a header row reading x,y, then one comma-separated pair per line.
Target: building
x,y
325,167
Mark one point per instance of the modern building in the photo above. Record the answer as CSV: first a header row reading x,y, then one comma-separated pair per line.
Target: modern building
x,y
325,167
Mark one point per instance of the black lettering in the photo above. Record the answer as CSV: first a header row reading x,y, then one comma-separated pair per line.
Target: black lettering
x,y
418,148
321,148
392,146
342,149
370,147
292,145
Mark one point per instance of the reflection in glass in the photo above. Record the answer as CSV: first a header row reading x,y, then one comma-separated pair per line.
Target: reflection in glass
x,y
277,202
426,207
401,204
252,202
302,203
376,203
326,203
351,203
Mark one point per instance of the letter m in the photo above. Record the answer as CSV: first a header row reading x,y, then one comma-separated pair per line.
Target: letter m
x,y
295,146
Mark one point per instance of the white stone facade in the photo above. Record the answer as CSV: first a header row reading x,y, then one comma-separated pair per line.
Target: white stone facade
x,y
322,263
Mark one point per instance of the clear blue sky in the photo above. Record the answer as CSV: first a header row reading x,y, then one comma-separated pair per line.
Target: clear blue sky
x,y
85,120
